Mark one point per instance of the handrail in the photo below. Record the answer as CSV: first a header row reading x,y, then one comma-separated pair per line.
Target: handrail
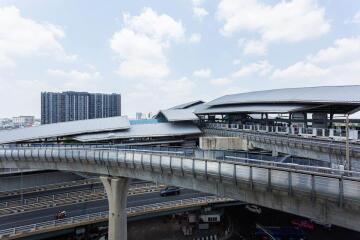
x,y
331,184
273,135
336,173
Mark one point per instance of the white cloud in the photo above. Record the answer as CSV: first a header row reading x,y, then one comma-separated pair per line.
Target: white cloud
x,y
338,64
261,68
73,74
286,21
154,25
356,18
236,61
174,91
220,81
343,49
255,47
202,73
195,38
23,37
300,70
142,42
197,2
200,12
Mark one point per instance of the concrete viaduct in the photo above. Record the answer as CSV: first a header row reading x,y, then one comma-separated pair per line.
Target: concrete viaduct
x,y
323,194
332,152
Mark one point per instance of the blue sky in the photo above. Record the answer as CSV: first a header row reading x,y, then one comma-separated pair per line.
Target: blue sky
x,y
163,53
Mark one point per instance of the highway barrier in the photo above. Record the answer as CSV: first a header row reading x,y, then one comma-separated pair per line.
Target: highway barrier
x,y
86,219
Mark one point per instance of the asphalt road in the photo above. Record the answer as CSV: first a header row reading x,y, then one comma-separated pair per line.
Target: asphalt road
x,y
61,190
48,214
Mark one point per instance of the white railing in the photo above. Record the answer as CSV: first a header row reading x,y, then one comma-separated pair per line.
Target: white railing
x,y
276,135
332,133
102,216
337,185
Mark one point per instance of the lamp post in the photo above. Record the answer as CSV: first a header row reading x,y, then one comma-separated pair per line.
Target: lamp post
x,y
347,156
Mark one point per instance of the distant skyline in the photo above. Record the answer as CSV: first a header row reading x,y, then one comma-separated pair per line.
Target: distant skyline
x,y
158,54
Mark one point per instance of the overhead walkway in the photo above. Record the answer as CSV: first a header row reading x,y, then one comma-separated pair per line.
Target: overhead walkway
x,y
324,194
323,149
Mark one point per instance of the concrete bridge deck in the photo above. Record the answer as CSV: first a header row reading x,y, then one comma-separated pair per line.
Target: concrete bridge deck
x,y
320,193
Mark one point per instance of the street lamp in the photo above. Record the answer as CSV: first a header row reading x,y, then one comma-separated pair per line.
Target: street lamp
x,y
347,146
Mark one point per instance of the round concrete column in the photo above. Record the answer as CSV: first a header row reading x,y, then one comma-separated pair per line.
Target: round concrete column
x,y
117,191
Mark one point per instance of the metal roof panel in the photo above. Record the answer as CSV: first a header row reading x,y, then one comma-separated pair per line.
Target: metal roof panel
x,y
249,109
64,129
144,130
324,94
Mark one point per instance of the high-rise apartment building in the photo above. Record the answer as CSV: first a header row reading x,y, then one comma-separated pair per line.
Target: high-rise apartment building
x,y
71,106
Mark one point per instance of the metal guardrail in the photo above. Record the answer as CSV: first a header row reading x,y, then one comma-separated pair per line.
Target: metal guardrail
x,y
319,133
289,138
15,170
187,151
316,182
62,199
32,229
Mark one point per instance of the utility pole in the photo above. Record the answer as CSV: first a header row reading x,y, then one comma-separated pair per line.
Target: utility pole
x,y
21,186
347,163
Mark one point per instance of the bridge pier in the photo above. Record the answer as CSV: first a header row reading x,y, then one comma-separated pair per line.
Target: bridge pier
x,y
117,191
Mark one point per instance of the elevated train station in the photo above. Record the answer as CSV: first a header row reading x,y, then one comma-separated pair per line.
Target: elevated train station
x,y
311,111
312,123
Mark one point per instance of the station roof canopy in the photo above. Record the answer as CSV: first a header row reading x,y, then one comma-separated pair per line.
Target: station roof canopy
x,y
100,129
144,131
64,129
177,115
180,113
327,94
188,105
250,109
331,99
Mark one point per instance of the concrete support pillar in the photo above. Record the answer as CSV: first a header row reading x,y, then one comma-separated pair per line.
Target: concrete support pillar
x,y
117,191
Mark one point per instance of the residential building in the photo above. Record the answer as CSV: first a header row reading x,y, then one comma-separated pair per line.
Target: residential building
x,y
71,106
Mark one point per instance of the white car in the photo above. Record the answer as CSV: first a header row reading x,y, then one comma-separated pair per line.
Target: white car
x,y
253,208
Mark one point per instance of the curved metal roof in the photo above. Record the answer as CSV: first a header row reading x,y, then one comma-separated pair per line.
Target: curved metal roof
x,y
144,130
325,94
176,115
64,129
249,109
188,105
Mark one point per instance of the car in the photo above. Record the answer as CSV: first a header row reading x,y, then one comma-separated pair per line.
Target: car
x,y
323,224
170,190
303,224
253,208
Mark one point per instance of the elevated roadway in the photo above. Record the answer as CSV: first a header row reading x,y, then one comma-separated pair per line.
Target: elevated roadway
x,y
141,205
87,207
67,198
319,193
